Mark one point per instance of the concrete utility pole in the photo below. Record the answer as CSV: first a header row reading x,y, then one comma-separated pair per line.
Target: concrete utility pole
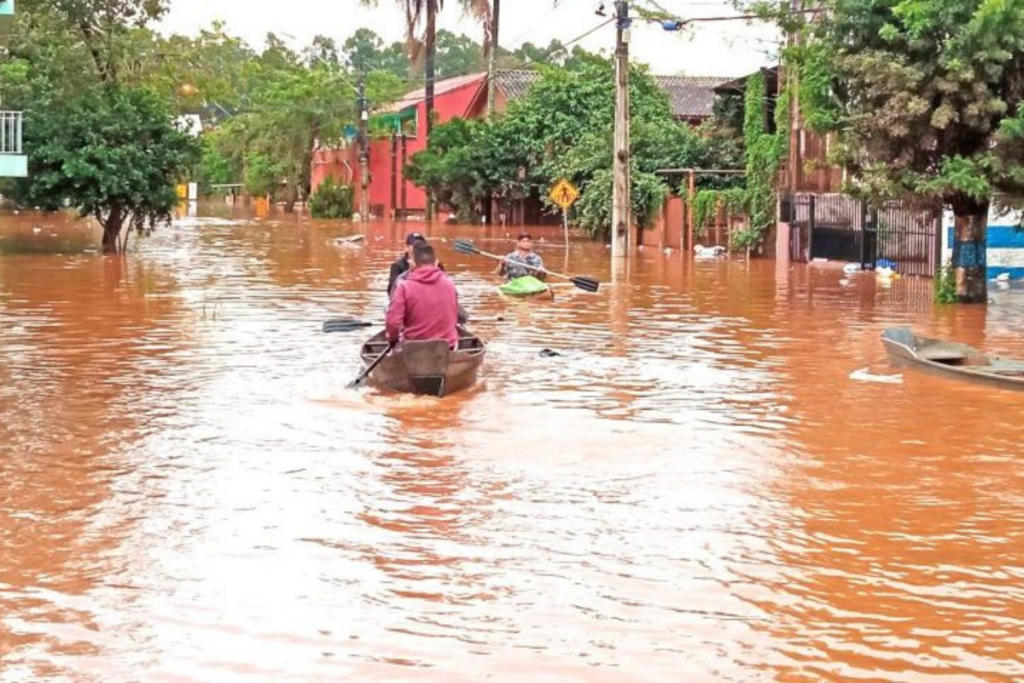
x,y
621,190
364,151
492,84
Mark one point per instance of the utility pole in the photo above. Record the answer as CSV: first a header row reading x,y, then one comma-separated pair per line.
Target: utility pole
x,y
492,72
621,190
364,151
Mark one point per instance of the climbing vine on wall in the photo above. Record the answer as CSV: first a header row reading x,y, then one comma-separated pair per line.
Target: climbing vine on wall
x,y
763,153
707,204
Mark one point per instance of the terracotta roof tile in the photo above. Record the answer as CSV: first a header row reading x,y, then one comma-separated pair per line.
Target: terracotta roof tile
x,y
516,83
691,96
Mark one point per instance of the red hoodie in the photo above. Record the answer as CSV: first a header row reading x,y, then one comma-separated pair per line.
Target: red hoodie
x,y
424,306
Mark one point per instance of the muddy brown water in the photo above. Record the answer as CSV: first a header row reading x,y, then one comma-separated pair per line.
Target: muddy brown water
x,y
694,490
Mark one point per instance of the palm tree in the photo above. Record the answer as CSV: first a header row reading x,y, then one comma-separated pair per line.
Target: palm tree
x,y
417,10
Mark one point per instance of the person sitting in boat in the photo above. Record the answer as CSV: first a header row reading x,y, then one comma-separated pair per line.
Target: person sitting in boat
x,y
463,313
514,264
425,305
403,263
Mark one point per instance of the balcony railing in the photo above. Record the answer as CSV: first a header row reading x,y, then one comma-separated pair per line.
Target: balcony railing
x,y
10,132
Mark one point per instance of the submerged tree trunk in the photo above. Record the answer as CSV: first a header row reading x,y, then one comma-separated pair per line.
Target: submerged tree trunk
x,y
970,263
291,196
112,224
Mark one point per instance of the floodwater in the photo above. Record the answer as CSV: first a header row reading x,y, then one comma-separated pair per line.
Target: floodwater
x,y
694,490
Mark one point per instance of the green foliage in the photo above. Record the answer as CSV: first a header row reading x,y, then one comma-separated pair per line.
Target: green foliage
x,y
99,25
223,155
945,286
111,153
451,166
331,200
365,50
594,210
262,175
562,129
457,55
927,95
707,203
728,115
264,113
215,168
530,56
763,152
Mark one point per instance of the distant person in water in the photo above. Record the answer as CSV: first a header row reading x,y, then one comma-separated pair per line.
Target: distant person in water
x,y
514,264
425,304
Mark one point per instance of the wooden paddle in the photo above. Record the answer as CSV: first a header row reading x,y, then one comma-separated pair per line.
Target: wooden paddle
x,y
587,284
345,325
358,381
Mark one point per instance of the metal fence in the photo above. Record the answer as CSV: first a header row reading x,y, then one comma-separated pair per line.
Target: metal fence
x,y
10,132
842,228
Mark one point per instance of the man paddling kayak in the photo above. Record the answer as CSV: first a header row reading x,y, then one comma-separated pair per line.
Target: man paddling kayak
x,y
514,264
425,304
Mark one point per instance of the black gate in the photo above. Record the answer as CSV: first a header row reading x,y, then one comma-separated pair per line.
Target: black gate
x,y
840,228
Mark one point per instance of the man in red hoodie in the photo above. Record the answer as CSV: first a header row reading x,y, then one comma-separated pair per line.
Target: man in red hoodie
x,y
424,305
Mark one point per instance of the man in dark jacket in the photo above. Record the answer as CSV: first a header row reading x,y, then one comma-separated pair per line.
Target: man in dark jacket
x,y
404,261
424,305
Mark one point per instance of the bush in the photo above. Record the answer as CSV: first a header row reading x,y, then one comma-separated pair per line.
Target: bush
x,y
594,210
945,286
331,200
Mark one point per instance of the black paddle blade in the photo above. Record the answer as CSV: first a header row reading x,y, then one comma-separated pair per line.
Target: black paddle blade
x,y
587,284
345,325
465,247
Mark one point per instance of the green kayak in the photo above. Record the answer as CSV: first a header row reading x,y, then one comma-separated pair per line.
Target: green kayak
x,y
527,285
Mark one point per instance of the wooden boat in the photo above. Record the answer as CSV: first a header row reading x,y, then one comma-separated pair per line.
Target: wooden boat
x,y
425,367
952,358
526,287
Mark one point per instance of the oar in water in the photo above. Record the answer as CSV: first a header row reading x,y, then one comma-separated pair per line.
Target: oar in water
x,y
358,381
587,284
345,325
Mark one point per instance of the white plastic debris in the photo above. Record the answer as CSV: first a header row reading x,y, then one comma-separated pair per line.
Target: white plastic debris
x,y
709,252
864,375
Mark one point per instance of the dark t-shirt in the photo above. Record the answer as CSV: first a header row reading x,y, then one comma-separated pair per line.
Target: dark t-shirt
x,y
397,268
401,265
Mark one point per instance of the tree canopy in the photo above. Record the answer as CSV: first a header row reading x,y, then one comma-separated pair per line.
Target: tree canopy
x,y
563,128
926,97
265,111
111,153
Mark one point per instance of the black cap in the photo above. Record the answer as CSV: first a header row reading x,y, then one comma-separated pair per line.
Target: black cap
x,y
414,237
525,236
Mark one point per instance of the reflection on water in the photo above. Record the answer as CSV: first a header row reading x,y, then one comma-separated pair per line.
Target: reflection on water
x,y
693,489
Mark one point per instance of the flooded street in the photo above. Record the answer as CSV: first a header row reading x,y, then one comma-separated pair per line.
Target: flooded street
x,y
694,490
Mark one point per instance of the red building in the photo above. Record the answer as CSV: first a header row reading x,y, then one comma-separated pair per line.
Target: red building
x,y
398,132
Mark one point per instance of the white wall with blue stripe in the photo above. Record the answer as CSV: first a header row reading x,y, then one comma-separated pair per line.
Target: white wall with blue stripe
x,y
1005,242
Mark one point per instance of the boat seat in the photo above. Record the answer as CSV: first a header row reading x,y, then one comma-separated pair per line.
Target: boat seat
x,y
942,353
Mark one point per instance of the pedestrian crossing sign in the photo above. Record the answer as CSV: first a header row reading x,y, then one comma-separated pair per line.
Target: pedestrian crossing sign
x,y
564,194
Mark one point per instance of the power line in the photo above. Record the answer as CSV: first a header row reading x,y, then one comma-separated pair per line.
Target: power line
x,y
554,8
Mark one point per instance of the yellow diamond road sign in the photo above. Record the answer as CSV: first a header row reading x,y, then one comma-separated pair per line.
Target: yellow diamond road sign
x,y
564,194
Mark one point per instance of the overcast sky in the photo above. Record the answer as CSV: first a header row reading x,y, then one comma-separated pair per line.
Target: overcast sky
x,y
711,49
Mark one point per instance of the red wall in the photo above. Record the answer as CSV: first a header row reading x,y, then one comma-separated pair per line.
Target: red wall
x,y
464,101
